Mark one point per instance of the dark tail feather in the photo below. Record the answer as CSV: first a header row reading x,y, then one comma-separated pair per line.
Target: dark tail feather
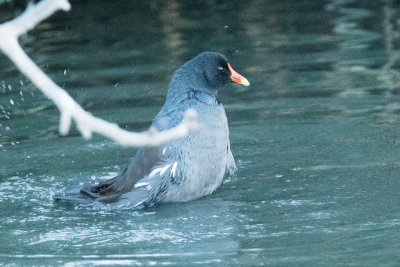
x,y
104,188
108,191
95,192
87,193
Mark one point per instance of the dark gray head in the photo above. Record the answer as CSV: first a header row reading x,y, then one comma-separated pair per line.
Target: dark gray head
x,y
207,72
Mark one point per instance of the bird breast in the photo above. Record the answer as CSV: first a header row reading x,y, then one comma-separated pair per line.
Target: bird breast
x,y
202,156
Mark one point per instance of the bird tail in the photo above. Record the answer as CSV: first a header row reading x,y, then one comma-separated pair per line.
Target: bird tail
x,y
121,193
106,192
110,190
146,193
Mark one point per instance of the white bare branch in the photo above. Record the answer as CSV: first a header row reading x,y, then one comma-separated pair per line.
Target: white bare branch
x,y
70,110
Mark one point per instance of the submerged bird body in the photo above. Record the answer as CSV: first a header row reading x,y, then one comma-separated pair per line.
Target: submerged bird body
x,y
186,168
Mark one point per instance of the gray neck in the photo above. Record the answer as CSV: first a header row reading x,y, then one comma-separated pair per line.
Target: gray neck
x,y
203,97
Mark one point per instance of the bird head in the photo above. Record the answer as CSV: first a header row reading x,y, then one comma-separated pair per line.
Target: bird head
x,y
207,72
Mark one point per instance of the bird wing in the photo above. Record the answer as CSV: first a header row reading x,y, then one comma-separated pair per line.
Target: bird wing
x,y
110,190
149,189
145,160
155,172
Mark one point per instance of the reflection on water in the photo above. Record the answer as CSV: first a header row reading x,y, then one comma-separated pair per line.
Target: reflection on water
x,y
316,136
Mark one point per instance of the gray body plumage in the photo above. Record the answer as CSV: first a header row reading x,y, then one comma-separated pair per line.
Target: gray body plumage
x,y
187,168
183,169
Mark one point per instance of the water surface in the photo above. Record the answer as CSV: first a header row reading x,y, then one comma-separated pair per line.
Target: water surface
x,y
316,137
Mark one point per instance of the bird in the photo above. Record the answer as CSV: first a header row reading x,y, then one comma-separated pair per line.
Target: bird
x,y
186,168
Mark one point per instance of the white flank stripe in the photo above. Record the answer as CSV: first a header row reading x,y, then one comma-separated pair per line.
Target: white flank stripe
x,y
139,203
140,184
164,169
155,171
174,168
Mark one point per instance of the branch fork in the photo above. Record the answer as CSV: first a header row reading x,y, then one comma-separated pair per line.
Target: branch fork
x,y
69,109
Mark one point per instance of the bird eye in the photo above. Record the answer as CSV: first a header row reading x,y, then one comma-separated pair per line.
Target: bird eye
x,y
220,68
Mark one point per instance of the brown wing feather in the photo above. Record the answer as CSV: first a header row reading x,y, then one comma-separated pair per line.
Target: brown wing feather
x,y
110,190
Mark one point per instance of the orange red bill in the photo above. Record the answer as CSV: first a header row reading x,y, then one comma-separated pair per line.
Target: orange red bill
x,y
237,78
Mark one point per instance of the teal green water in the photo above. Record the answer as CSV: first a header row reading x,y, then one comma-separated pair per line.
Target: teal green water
x,y
316,137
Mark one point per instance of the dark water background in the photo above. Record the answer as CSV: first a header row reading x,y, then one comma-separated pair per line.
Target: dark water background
x,y
316,137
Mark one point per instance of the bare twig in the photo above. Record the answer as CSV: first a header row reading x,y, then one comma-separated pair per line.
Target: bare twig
x,y
70,110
